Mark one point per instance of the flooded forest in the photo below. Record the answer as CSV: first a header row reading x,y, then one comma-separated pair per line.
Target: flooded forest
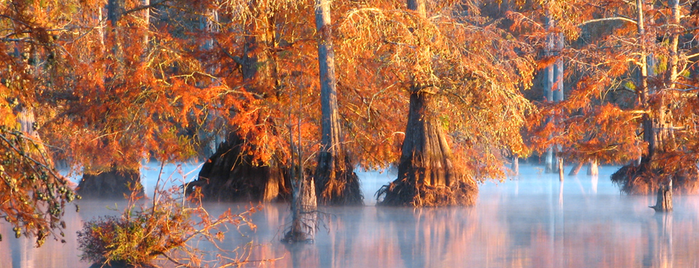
x,y
388,133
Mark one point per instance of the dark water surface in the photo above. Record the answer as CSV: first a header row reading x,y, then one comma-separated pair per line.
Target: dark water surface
x,y
529,221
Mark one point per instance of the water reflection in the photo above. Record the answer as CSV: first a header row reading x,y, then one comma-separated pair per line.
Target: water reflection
x,y
534,221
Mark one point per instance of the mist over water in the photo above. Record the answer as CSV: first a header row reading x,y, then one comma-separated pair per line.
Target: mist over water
x,y
531,220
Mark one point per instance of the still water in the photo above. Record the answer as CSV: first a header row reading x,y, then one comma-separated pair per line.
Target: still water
x,y
531,220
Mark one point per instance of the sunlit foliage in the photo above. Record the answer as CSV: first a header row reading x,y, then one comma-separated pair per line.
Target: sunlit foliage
x,y
167,229
477,68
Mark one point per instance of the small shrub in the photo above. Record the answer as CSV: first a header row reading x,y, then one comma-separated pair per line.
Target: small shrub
x,y
143,235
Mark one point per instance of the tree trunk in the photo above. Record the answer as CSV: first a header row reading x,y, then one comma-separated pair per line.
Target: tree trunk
x,y
146,22
574,171
304,201
337,182
426,156
515,165
228,175
643,90
549,83
675,31
304,212
560,169
664,200
425,173
110,184
593,170
115,9
259,61
105,180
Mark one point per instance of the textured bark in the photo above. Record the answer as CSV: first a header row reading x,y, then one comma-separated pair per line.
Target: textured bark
x,y
337,182
426,156
229,175
304,213
426,172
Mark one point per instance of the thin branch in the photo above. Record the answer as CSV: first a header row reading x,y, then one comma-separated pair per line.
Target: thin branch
x,y
608,19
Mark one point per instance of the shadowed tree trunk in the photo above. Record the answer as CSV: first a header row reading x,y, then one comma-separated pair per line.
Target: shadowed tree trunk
x,y
231,174
664,200
228,175
425,172
304,208
108,180
337,182
111,184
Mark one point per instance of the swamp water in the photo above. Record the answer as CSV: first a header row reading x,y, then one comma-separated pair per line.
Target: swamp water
x,y
532,220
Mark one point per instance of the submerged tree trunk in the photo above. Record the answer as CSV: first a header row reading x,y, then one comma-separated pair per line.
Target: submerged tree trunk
x,y
664,200
549,88
426,172
110,184
337,182
229,175
303,212
593,170
574,171
561,176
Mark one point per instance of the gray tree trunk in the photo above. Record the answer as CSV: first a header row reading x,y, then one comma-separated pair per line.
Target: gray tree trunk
x,y
664,200
146,21
304,206
558,93
549,83
337,182
115,9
